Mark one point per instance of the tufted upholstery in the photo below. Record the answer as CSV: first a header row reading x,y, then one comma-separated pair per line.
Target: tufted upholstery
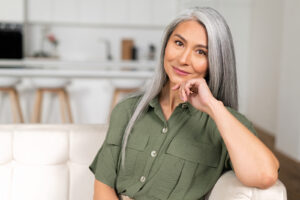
x,y
50,162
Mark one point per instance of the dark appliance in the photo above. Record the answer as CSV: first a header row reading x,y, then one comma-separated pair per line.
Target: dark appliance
x,y
11,41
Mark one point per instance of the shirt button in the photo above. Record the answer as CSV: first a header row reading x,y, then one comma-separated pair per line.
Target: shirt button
x,y
153,153
183,105
165,130
142,179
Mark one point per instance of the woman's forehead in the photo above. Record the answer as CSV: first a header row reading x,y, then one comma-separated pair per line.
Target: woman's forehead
x,y
191,30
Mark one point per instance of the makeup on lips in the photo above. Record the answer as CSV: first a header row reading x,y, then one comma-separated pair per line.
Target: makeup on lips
x,y
180,72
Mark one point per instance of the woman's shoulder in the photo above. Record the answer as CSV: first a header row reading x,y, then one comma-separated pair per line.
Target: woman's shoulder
x,y
242,118
119,119
128,104
237,114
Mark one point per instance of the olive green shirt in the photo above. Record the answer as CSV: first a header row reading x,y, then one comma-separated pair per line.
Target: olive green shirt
x,y
180,158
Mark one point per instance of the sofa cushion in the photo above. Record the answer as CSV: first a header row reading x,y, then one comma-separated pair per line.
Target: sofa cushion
x,y
46,162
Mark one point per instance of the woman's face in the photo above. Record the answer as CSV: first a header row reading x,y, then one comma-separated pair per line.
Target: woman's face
x,y
186,52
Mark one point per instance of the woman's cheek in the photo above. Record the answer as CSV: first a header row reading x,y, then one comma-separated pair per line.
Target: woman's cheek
x,y
201,66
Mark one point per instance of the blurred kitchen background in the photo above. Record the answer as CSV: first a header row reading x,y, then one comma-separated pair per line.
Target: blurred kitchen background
x,y
96,49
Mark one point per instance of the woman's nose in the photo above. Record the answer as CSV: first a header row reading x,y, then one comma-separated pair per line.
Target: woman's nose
x,y
185,57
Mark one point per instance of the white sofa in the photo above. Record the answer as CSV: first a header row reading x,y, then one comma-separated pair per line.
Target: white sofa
x,y
50,162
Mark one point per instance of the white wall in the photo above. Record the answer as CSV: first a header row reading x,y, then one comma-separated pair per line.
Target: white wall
x,y
264,64
274,92
288,130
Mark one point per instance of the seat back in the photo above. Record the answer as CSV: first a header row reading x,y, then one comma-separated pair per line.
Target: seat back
x,y
47,162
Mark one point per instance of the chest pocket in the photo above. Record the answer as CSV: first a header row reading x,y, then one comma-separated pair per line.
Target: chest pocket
x,y
201,153
179,166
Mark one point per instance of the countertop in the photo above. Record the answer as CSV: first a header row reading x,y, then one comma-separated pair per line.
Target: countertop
x,y
76,69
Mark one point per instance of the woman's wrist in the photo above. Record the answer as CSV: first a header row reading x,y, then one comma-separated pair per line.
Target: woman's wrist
x,y
214,107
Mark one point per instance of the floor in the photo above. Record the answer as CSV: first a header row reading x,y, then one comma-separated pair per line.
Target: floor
x,y
289,169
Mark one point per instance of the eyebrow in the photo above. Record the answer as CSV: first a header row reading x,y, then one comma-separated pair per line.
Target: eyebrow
x,y
198,45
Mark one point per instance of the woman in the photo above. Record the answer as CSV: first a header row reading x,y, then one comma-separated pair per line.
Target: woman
x,y
175,140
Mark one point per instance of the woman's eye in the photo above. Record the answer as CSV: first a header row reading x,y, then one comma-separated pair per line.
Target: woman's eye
x,y
201,52
178,43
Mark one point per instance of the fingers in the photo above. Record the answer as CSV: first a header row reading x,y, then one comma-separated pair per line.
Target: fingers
x,y
188,88
183,92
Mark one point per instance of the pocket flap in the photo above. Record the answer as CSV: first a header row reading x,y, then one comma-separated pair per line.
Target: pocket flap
x,y
201,153
138,141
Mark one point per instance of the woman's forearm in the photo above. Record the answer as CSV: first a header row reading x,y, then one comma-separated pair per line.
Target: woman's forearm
x,y
104,192
254,164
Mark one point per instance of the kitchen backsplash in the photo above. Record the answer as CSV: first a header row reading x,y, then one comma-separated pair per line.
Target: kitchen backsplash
x,y
90,43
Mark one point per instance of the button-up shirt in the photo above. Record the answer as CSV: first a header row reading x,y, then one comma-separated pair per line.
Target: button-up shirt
x,y
179,158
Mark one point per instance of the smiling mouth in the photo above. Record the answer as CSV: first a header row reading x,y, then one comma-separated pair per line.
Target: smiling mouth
x,y
180,72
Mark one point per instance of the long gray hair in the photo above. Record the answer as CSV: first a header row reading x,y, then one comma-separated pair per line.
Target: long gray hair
x,y
221,76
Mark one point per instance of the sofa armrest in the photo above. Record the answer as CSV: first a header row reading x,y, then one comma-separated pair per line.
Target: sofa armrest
x,y
228,187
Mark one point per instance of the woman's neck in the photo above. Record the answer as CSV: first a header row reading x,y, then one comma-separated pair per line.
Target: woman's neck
x,y
169,99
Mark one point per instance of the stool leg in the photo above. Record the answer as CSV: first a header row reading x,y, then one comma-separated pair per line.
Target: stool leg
x,y
16,104
36,117
62,105
68,106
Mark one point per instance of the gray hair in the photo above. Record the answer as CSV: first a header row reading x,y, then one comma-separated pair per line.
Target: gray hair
x,y
221,76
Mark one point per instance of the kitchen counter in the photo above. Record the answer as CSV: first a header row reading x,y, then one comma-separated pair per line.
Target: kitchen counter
x,y
75,73
76,69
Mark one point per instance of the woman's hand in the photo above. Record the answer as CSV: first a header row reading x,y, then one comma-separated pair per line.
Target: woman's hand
x,y
197,92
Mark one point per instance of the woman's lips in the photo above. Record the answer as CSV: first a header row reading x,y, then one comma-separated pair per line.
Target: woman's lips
x,y
180,72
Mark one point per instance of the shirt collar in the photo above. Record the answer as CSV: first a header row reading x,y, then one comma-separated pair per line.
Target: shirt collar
x,y
154,103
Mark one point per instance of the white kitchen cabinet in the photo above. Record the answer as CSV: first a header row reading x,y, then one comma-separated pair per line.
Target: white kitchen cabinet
x,y
41,11
66,11
163,11
92,11
12,11
140,11
116,11
61,11
103,12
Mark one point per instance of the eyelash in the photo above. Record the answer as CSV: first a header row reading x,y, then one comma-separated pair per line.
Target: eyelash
x,y
202,52
179,43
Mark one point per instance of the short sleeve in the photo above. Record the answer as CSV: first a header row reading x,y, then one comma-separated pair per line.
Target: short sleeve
x,y
105,163
245,122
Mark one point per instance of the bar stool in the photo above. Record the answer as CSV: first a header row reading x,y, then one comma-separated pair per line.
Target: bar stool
x,y
124,87
56,86
7,85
